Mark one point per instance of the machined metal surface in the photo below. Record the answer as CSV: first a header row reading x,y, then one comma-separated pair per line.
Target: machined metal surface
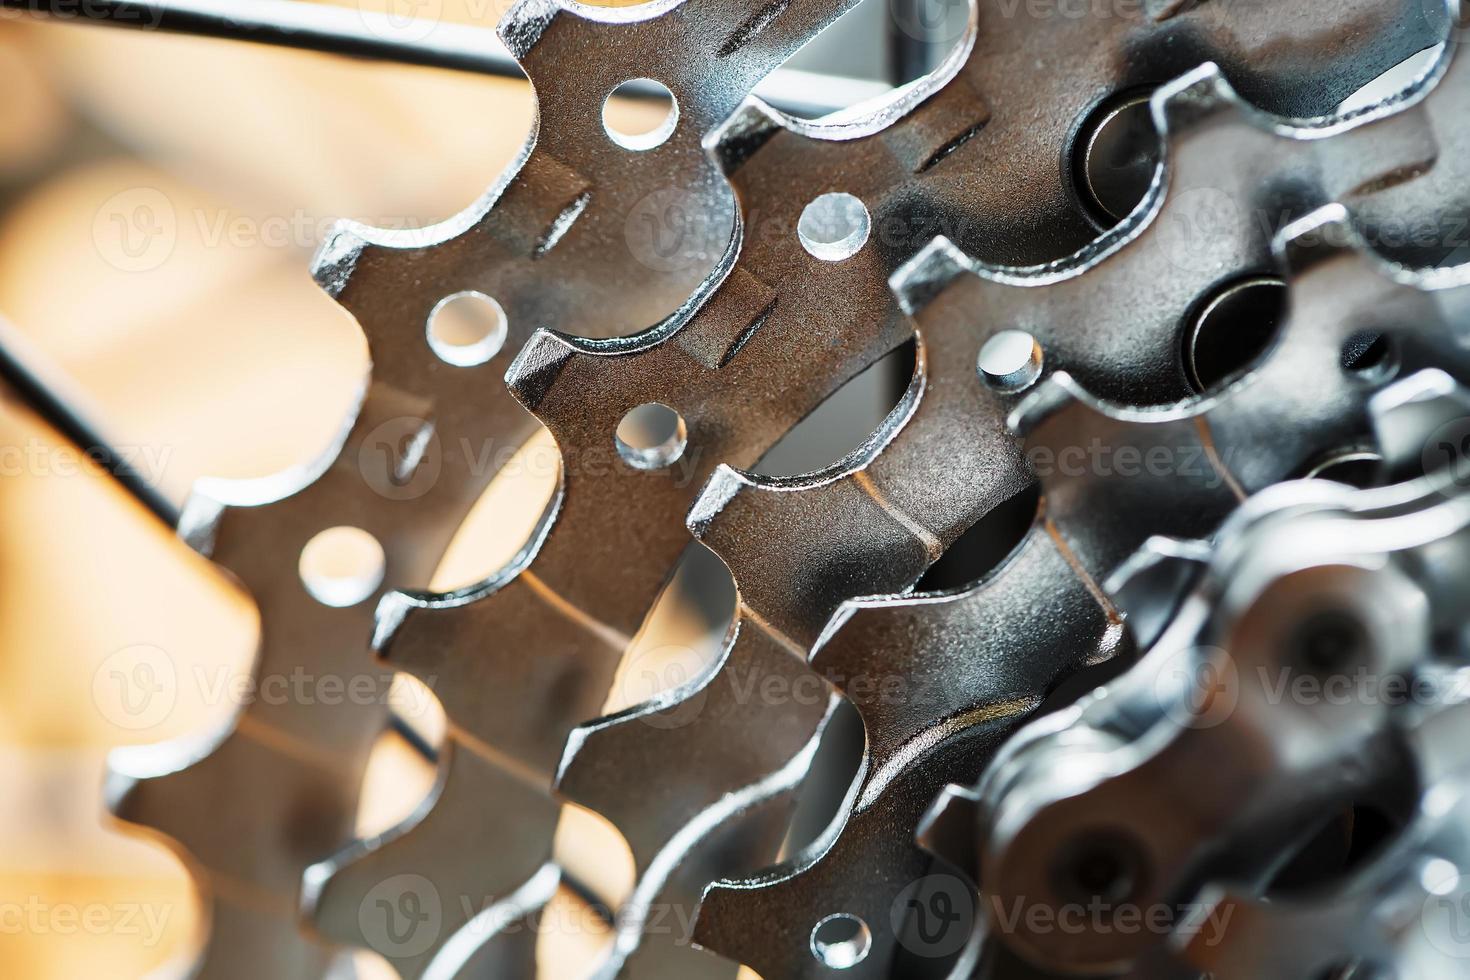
x,y
1310,580
1059,218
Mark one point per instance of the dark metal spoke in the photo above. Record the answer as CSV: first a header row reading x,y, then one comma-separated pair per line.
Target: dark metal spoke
x,y
293,24
361,34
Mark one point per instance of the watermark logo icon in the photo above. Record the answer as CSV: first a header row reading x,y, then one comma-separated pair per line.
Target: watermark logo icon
x,y
1447,450
1197,224
934,916
136,687
136,230
661,670
405,21
931,21
1446,915
669,231
401,916
401,458
1198,687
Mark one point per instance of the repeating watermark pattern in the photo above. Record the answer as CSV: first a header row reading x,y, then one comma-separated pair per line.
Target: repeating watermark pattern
x,y
403,459
931,21
402,916
1360,686
1198,687
407,914
1448,451
406,20
411,21
671,231
39,458
659,672
656,671
1446,913
34,916
139,687
147,16
1205,924
1127,461
136,687
1199,221
136,230
139,229
934,916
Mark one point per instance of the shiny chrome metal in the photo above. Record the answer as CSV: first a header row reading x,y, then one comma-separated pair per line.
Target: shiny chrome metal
x,y
1308,580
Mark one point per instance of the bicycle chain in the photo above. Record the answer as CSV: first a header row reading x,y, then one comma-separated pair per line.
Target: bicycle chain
x,y
1380,573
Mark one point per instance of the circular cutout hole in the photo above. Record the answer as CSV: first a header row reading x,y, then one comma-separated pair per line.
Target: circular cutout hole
x,y
1232,329
841,941
1369,356
467,329
834,226
651,436
1118,153
645,125
1010,361
342,566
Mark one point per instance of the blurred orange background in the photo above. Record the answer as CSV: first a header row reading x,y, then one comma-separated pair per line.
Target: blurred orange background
x,y
213,353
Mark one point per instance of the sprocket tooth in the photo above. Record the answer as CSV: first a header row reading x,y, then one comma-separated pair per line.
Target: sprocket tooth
x,y
727,816
1199,452
1149,587
572,206
1428,402
743,135
632,748
973,687
653,928
1038,220
403,894
285,771
915,744
249,898
472,654
936,267
764,331
336,258
536,369
1041,300
526,22
868,867
1408,196
1197,100
948,829
501,940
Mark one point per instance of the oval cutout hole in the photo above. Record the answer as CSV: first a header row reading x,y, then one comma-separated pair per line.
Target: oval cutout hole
x,y
342,566
640,114
1232,329
841,941
834,226
467,328
1115,157
985,546
651,436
